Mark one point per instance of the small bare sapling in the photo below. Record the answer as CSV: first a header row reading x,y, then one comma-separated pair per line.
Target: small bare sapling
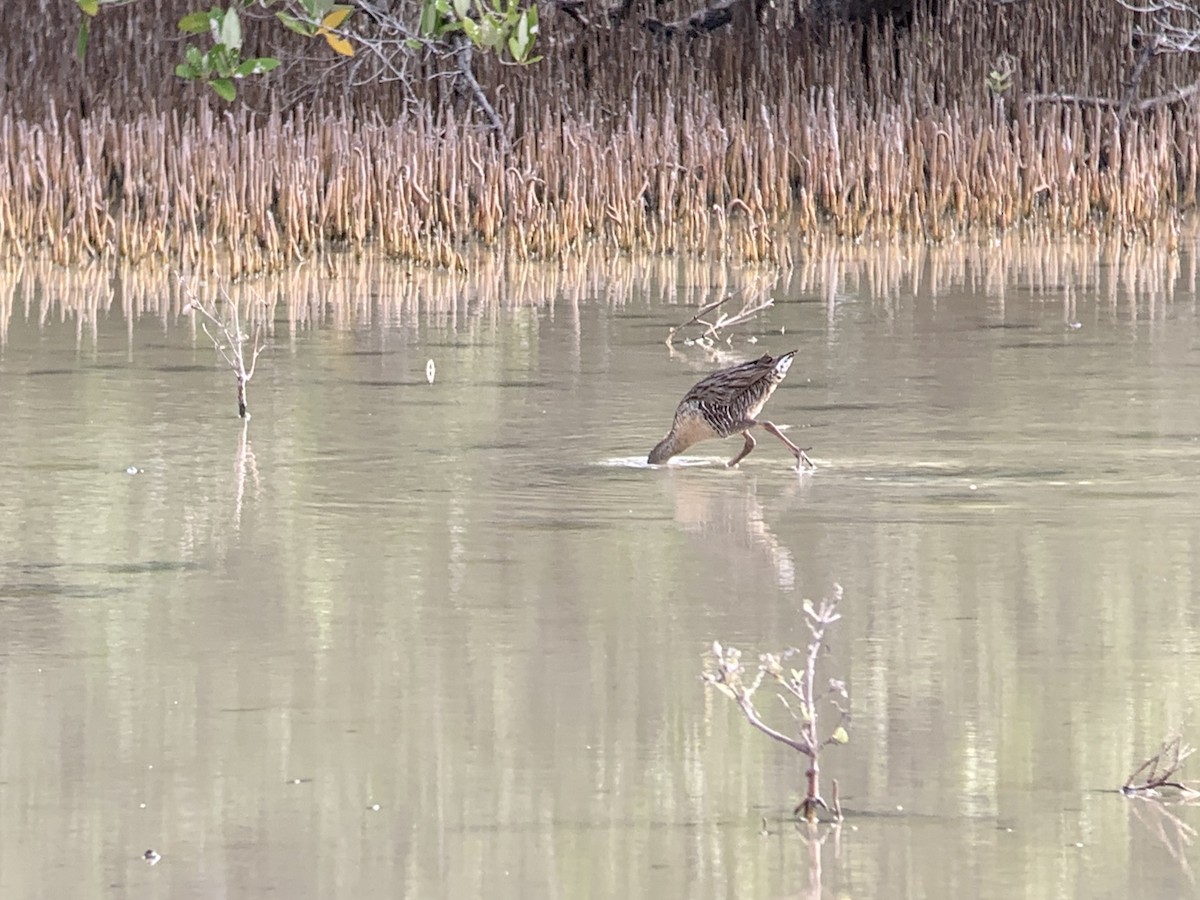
x,y
803,695
229,338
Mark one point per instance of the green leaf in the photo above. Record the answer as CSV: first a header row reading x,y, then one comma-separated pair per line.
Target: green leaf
x,y
492,34
89,7
255,66
185,71
221,61
296,25
317,8
81,39
462,8
839,736
195,23
231,30
413,44
471,27
521,41
195,58
224,88
429,18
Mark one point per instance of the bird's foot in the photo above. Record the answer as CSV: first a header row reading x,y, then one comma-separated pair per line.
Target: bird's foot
x,y
802,460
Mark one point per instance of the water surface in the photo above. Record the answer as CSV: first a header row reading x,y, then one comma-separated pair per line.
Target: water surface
x,y
403,639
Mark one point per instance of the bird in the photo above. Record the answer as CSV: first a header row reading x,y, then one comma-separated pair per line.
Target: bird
x,y
726,403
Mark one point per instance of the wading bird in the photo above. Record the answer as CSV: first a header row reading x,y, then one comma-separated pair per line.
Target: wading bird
x,y
726,403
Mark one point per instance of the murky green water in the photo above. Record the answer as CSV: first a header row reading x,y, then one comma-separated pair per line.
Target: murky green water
x,y
445,640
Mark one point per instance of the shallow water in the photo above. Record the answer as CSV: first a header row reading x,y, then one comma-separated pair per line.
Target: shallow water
x,y
405,639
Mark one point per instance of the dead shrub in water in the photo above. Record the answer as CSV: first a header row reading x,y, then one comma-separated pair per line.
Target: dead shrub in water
x,y
801,697
230,340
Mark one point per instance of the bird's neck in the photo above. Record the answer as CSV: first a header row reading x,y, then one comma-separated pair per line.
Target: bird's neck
x,y
665,449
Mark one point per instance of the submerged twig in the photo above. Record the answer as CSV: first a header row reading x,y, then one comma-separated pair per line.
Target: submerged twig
x,y
748,311
1158,771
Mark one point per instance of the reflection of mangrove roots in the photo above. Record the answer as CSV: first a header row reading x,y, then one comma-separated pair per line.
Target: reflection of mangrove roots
x,y
724,671
712,329
1158,772
231,342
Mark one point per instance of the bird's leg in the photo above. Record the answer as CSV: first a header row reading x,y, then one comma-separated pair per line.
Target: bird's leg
x,y
802,460
745,450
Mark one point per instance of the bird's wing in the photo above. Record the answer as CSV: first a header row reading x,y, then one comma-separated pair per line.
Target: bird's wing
x,y
725,386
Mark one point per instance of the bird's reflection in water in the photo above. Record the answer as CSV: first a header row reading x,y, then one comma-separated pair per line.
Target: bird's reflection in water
x,y
728,519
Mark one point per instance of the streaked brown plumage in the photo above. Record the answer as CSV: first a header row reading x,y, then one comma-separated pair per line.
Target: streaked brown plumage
x,y
726,403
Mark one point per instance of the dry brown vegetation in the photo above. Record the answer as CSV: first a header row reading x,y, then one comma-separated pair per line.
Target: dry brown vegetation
x,y
743,143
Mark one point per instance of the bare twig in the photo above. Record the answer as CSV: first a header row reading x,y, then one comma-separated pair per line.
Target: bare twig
x,y
389,49
704,310
1169,26
725,673
711,329
464,55
1159,770
1173,25
1176,96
